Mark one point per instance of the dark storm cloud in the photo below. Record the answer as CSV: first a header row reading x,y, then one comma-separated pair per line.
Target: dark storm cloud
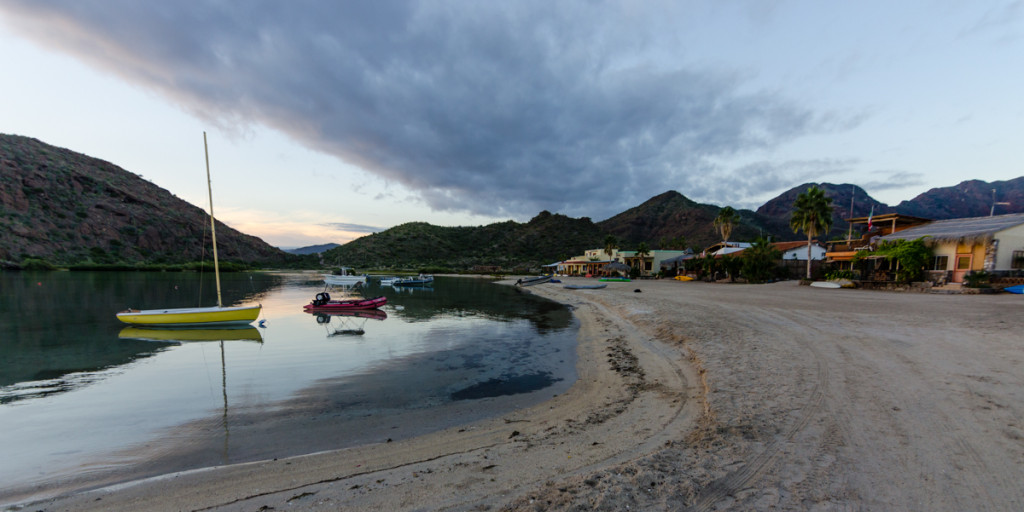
x,y
352,228
495,108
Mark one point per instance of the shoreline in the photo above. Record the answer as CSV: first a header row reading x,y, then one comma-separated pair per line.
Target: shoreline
x,y
698,396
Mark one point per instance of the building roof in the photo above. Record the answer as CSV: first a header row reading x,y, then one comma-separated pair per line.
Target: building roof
x,y
786,246
973,229
677,259
888,218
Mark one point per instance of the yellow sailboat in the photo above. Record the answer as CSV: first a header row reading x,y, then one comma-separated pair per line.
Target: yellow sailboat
x,y
196,317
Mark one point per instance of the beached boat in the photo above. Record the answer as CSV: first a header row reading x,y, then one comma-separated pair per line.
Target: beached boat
x,y
585,286
200,316
616,279
1018,289
828,285
530,281
420,280
323,302
345,276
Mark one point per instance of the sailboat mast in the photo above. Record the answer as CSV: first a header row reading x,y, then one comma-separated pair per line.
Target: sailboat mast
x,y
213,224
849,232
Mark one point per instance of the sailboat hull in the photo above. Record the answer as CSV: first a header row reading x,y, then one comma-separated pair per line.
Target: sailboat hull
x,y
182,317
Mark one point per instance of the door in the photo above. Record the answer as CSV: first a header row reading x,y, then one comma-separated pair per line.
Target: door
x,y
962,267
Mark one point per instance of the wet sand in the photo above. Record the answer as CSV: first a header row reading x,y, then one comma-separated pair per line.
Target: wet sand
x,y
698,396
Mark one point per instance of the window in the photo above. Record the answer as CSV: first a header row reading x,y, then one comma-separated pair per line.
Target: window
x,y
940,263
1017,260
963,262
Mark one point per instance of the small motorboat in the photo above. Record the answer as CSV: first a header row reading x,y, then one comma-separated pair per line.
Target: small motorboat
x,y
530,281
323,302
420,280
345,276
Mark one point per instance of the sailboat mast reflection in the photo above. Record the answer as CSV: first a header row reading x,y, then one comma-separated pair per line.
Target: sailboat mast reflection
x,y
189,335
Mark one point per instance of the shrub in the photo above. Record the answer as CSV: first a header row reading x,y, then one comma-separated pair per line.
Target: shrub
x,y
912,256
977,279
759,261
36,264
839,274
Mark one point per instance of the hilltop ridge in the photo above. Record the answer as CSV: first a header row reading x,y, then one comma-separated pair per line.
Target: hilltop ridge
x,y
66,208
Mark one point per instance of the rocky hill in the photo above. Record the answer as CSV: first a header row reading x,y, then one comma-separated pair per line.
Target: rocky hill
x,y
544,239
671,215
66,207
972,198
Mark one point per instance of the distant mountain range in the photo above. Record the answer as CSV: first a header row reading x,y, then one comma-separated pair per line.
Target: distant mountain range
x,y
66,207
311,249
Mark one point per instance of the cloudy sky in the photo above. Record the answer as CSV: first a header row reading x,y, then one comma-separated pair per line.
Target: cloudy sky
x,y
329,120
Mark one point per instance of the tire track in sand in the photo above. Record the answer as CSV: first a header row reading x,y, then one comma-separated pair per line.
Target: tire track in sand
x,y
742,477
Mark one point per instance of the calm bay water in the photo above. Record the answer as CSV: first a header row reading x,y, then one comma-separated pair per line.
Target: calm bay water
x,y
85,400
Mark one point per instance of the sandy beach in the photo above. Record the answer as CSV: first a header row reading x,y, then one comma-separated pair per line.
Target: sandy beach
x,y
695,396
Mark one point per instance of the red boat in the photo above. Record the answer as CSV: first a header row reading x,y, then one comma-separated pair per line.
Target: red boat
x,y
323,302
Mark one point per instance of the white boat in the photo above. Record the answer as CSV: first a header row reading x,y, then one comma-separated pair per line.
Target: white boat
x,y
345,276
826,284
202,316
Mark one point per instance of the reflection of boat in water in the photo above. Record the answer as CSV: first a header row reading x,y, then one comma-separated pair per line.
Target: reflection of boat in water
x,y
247,333
187,335
373,314
323,302
346,328
202,316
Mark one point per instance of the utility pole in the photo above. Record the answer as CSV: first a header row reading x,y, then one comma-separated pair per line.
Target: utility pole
x,y
994,203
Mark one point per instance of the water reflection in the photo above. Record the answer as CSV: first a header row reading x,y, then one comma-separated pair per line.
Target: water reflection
x,y
78,388
186,335
347,323
60,324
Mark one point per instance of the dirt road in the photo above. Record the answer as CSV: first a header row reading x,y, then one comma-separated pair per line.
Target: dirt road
x,y
835,399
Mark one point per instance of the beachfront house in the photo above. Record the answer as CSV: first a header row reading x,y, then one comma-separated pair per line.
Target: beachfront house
x,y
841,253
797,251
593,261
650,264
994,244
723,248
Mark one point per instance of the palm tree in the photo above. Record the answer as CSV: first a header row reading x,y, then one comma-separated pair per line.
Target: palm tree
x,y
610,244
642,251
727,218
812,214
